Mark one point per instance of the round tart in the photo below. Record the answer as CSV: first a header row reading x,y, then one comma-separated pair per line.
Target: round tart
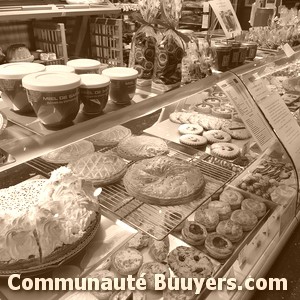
x,y
232,197
174,117
207,217
218,246
231,230
217,136
173,217
212,101
222,112
193,140
190,129
127,261
164,180
100,275
225,150
203,108
246,218
110,137
150,269
219,95
100,168
238,134
222,208
194,233
69,153
257,207
188,262
140,147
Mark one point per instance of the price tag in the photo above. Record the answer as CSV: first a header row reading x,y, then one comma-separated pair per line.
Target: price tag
x,y
288,50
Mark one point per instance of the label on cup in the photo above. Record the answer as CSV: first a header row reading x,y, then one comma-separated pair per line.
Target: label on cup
x,y
94,100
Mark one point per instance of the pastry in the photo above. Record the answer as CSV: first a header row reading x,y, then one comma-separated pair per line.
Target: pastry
x,y
216,136
190,129
222,208
193,140
257,207
232,197
220,95
100,168
69,153
159,250
150,269
110,137
236,130
246,218
172,218
139,241
164,180
184,117
212,101
231,230
194,119
203,108
18,53
102,274
222,112
194,233
174,117
189,262
218,246
225,150
127,261
31,233
140,147
207,217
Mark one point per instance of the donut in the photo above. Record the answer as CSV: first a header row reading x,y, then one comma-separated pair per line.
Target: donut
x,y
190,129
207,217
246,218
222,112
222,208
231,230
216,136
225,150
193,140
203,108
218,246
257,207
194,233
232,197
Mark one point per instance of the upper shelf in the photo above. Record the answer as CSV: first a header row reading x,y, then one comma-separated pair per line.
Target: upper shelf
x,y
8,13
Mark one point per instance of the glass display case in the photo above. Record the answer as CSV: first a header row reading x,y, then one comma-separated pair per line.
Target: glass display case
x,y
238,129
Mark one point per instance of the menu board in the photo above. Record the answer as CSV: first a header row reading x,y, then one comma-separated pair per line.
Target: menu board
x,y
248,111
226,16
278,115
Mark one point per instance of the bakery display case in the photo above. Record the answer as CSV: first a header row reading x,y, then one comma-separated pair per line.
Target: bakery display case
x,y
208,170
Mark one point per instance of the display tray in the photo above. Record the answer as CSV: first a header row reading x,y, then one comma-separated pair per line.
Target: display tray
x,y
55,262
149,295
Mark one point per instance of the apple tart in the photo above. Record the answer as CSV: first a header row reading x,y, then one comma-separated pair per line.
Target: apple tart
x,y
100,168
164,180
140,147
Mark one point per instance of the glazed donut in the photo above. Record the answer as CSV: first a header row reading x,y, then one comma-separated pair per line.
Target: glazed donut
x,y
222,208
218,246
207,217
231,230
246,218
232,197
257,207
194,233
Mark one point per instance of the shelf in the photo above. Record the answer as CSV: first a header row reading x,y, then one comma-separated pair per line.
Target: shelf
x,y
54,11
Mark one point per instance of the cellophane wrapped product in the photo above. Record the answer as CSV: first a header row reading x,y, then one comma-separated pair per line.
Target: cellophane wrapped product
x,y
142,52
170,50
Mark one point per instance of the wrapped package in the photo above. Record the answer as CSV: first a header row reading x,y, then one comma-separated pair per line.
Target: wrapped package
x,y
142,52
170,50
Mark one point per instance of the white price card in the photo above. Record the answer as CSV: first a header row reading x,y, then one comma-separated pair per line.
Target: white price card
x,y
226,16
278,115
288,50
248,111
